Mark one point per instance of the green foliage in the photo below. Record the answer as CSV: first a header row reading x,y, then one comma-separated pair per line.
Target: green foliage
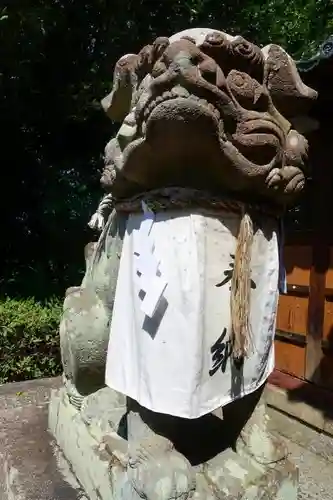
x,y
29,343
57,60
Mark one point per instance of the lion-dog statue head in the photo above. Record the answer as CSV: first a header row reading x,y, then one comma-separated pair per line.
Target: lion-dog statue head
x,y
206,110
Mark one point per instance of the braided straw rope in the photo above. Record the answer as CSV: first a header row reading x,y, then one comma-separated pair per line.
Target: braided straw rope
x,y
177,198
240,290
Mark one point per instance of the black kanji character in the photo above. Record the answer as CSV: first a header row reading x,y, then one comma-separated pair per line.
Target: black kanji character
x,y
221,351
228,275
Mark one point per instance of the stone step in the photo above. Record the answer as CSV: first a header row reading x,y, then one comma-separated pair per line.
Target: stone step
x,y
31,465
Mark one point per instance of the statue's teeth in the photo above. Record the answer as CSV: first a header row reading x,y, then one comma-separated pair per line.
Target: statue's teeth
x,y
130,119
213,110
167,95
221,130
203,102
180,91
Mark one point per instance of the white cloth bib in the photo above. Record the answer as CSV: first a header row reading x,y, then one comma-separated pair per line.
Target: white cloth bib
x,y
179,361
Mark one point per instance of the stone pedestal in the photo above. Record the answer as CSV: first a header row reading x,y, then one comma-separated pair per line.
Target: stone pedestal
x,y
119,451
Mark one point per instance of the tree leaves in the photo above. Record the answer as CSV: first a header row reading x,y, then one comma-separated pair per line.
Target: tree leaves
x,y
57,60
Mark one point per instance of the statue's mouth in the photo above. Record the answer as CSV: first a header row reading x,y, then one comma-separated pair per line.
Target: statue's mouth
x,y
180,97
179,93
182,131
165,104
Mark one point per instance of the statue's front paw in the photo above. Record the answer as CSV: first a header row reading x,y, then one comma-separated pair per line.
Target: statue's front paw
x,y
274,179
293,180
84,336
285,183
158,471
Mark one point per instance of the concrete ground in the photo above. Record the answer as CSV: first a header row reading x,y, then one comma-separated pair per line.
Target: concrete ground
x,y
316,475
31,467
311,451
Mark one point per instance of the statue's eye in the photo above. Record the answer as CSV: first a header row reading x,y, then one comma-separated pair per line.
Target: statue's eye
x,y
249,92
215,39
189,39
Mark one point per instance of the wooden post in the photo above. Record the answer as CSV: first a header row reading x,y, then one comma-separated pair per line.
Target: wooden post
x,y
321,160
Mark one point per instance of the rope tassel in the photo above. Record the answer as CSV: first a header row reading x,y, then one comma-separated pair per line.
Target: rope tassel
x,y
241,291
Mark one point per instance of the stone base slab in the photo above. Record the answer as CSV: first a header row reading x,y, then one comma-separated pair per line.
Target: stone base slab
x,y
94,442
86,452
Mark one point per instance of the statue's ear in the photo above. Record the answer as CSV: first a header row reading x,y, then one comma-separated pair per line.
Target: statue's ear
x,y
129,72
117,104
289,94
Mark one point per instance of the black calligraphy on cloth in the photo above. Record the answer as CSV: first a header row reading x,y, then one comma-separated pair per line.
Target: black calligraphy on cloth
x,y
228,275
221,352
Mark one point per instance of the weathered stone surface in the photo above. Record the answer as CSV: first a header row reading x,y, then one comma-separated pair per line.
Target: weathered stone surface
x,y
278,398
308,438
311,451
88,458
207,98
31,465
84,328
45,470
203,98
141,462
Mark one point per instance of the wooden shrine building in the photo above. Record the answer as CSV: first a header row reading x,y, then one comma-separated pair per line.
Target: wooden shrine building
x,y
304,337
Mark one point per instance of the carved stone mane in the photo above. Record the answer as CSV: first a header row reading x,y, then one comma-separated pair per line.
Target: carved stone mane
x,y
206,110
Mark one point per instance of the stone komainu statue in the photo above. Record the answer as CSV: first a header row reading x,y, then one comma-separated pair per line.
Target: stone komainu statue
x,y
207,153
